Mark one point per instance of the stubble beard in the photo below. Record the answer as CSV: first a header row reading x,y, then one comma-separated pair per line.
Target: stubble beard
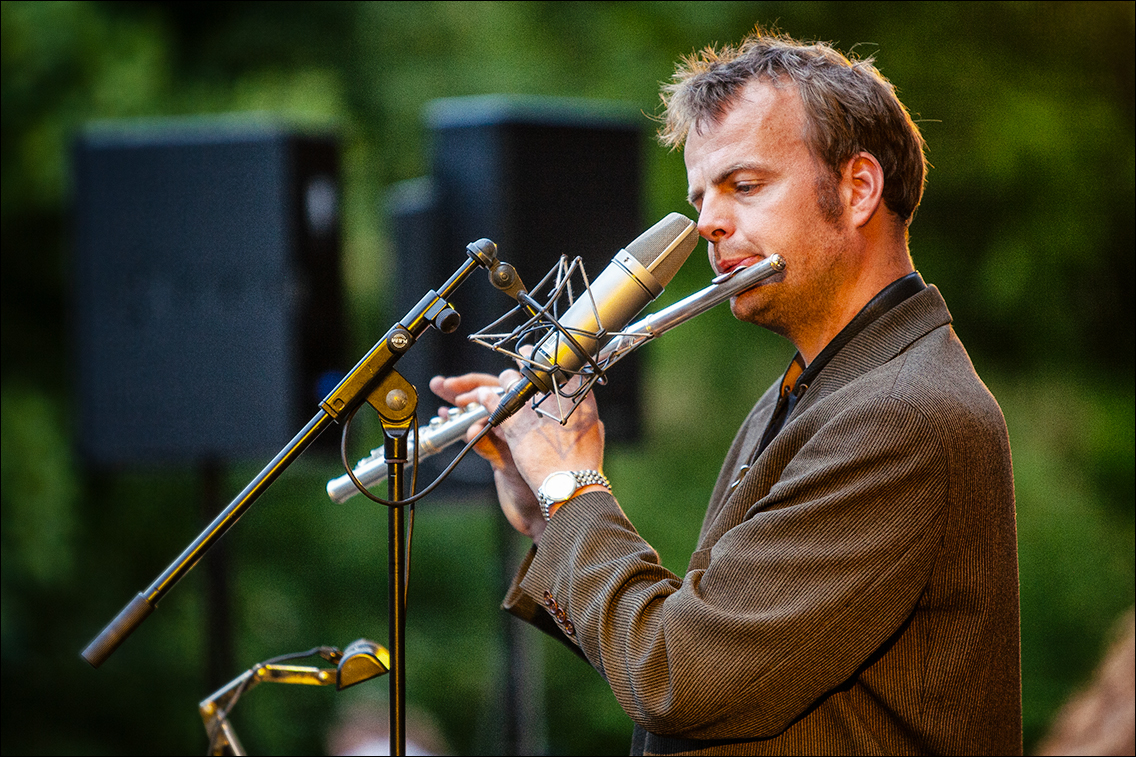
x,y
797,300
785,306
804,298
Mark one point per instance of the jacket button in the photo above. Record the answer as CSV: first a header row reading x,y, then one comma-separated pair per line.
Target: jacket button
x,y
569,628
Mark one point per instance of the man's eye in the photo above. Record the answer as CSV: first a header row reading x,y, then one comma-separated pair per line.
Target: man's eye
x,y
746,189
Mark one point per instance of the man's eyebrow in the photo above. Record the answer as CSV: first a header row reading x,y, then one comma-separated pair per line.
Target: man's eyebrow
x,y
723,175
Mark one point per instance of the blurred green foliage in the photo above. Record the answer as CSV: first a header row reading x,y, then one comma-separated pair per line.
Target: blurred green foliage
x,y
1027,228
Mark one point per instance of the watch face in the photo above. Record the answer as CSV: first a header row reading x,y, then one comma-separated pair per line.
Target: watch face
x,y
559,486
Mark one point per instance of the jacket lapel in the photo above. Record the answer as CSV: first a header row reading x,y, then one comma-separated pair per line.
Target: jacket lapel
x,y
880,342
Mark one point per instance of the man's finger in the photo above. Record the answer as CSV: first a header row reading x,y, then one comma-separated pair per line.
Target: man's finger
x,y
450,388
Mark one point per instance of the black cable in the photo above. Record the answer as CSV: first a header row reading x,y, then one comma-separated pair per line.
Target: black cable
x,y
413,498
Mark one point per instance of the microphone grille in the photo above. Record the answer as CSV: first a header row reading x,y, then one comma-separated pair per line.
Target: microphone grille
x,y
663,248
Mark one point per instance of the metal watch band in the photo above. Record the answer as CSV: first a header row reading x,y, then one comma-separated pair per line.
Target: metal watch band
x,y
583,478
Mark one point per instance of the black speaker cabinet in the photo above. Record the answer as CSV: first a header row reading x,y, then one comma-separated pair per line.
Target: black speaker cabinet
x,y
542,178
208,308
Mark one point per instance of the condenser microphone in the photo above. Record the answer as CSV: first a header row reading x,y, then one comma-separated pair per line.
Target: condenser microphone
x,y
634,278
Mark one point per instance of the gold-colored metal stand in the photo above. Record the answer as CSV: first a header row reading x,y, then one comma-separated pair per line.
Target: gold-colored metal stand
x,y
361,661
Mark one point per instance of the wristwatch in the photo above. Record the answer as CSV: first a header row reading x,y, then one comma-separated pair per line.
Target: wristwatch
x,y
562,485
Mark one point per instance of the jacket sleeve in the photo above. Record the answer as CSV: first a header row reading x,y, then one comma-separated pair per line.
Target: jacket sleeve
x,y
818,572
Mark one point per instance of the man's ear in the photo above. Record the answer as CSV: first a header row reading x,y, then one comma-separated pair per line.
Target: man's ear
x,y
863,187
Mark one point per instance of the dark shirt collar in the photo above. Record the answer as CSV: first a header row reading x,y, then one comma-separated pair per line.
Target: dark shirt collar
x,y
798,377
890,296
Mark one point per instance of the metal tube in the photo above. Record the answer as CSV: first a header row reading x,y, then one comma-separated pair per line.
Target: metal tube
x,y
396,448
144,603
722,289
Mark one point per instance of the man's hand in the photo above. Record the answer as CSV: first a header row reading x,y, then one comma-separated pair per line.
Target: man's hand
x,y
524,449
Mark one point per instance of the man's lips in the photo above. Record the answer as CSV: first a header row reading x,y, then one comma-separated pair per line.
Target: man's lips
x,y
728,269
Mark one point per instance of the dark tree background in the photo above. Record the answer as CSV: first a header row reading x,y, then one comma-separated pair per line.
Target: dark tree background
x,y
1026,227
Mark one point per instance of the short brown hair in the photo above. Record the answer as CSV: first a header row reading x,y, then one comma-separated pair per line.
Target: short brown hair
x,y
849,106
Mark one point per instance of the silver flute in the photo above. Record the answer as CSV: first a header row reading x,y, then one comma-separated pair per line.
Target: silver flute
x,y
442,432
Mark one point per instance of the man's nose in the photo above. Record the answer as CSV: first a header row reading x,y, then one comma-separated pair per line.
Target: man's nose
x,y
715,223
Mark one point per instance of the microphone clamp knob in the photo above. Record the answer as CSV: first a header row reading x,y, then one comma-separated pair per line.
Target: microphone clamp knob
x,y
447,320
400,340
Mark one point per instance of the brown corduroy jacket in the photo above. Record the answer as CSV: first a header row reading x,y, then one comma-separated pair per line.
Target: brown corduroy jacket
x,y
857,593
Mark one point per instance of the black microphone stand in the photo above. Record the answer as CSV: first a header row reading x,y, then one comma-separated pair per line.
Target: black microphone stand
x,y
374,381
